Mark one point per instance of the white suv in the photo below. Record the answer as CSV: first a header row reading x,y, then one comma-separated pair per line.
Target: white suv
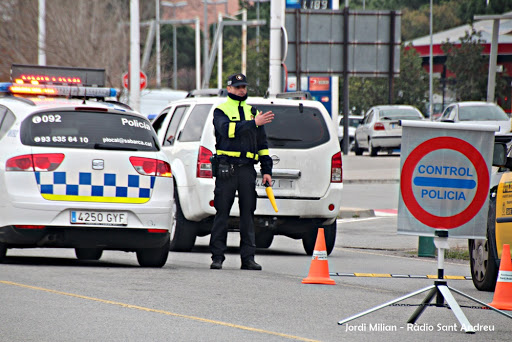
x,y
306,175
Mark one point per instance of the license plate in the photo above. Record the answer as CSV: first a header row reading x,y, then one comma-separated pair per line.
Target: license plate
x,y
277,184
118,218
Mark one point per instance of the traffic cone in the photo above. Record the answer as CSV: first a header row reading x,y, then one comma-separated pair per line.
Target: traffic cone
x,y
503,293
319,270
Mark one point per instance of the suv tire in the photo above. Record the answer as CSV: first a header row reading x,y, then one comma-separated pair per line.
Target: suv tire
x,y
183,232
88,253
483,255
264,239
153,257
3,251
309,239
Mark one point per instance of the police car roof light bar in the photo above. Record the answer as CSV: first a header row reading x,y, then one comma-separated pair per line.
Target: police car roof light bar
x,y
52,90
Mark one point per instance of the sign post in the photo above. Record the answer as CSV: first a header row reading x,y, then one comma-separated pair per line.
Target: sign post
x,y
444,187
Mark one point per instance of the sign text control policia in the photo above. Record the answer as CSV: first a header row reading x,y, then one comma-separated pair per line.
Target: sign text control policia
x,y
444,179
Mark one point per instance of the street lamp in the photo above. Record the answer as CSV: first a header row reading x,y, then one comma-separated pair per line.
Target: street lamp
x,y
174,39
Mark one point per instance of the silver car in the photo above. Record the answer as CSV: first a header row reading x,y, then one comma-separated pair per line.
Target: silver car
x,y
478,113
381,130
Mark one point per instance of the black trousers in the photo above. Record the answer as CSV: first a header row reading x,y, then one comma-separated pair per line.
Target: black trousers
x,y
242,180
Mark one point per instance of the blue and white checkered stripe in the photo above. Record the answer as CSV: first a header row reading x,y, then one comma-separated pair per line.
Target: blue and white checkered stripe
x,y
96,187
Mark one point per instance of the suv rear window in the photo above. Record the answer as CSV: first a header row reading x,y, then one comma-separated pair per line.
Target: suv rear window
x,y
296,127
89,130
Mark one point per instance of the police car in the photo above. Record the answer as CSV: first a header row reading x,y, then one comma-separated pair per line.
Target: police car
x,y
306,175
77,171
485,255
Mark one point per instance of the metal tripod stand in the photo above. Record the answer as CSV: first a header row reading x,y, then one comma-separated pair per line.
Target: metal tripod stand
x,y
440,288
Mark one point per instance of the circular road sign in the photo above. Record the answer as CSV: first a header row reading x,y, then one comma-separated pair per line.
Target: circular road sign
x,y
143,81
482,189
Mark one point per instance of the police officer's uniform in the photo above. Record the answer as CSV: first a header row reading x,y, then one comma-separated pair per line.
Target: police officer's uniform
x,y
240,144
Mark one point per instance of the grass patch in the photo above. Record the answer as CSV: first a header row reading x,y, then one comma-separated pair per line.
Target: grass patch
x,y
457,253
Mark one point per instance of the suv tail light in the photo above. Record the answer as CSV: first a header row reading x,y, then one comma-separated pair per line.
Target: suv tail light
x,y
151,167
35,162
379,126
204,165
336,168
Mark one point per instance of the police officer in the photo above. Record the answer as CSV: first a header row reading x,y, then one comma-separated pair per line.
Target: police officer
x,y
241,142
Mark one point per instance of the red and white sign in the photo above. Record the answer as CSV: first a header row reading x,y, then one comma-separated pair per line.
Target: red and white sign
x,y
444,179
143,80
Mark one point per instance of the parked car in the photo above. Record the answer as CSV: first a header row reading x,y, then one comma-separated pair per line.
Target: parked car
x,y
381,130
485,255
307,171
478,113
79,172
353,122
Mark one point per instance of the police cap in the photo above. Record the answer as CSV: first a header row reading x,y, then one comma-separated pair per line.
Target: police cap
x,y
237,80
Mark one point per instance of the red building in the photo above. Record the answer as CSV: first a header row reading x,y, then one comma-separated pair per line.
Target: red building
x,y
504,58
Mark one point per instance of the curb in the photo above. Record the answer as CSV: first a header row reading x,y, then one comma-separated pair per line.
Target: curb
x,y
345,213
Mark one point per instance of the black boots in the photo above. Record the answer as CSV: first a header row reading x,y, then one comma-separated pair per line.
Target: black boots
x,y
250,265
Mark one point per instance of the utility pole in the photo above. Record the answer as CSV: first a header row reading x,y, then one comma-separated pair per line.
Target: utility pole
x,y
134,70
41,41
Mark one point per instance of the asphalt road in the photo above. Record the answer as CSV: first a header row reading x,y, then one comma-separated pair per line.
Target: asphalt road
x,y
48,295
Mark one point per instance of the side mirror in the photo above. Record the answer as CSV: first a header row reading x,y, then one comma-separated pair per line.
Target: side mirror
x,y
499,156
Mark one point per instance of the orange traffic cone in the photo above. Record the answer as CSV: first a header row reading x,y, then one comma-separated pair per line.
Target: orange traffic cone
x,y
503,293
319,270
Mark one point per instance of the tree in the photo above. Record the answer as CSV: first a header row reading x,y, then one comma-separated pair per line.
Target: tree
x,y
81,34
412,83
469,67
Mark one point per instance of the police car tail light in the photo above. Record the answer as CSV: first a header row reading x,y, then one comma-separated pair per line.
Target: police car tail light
x,y
151,167
35,162
47,162
336,168
204,166
379,126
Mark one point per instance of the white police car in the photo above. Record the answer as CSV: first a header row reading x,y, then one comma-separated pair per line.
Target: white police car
x,y
80,172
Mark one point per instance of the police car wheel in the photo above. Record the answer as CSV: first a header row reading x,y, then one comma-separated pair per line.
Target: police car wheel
x,y
153,257
309,239
88,253
3,251
484,262
183,232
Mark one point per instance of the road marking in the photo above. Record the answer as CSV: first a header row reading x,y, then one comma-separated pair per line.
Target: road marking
x,y
168,313
385,275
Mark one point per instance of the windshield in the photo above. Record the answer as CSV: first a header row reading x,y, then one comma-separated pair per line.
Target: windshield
x,y
482,113
89,130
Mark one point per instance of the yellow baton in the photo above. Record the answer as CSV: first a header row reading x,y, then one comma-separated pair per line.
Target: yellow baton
x,y
270,194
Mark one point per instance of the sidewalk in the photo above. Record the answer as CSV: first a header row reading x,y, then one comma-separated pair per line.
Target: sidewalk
x,y
387,173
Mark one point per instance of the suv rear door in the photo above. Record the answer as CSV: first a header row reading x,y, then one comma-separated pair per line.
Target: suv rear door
x,y
301,147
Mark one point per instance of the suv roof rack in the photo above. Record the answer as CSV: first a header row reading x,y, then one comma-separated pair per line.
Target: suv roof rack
x,y
208,92
295,95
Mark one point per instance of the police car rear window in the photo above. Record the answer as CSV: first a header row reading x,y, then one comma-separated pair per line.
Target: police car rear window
x,y
88,130
297,127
